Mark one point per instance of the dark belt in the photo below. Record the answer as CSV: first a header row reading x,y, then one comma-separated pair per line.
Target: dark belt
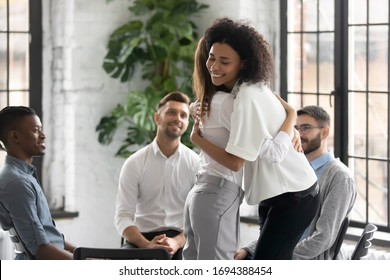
x,y
313,191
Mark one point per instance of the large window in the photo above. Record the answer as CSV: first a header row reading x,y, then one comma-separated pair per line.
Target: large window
x,y
21,56
336,56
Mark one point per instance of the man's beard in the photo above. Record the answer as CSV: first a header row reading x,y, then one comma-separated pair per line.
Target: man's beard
x,y
173,135
312,145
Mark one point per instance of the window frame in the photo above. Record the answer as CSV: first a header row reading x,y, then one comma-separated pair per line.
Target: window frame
x,y
35,61
340,93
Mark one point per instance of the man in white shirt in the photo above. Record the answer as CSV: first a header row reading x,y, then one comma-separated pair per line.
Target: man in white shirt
x,y
154,183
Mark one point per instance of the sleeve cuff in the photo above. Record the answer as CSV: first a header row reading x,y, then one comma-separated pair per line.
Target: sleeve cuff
x,y
283,138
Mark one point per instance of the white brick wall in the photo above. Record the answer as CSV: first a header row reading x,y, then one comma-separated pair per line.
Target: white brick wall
x,y
77,93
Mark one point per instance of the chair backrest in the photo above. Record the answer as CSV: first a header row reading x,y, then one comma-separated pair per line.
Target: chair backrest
x,y
361,249
19,246
83,253
340,237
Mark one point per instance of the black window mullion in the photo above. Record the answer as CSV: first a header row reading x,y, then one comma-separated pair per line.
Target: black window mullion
x,y
341,76
8,54
35,10
35,67
283,49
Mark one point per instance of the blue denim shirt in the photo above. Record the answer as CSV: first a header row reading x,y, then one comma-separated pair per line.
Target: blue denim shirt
x,y
24,207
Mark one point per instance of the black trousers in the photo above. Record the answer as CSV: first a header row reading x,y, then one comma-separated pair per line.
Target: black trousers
x,y
150,235
283,219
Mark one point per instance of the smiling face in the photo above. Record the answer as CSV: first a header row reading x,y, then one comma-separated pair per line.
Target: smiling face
x,y
172,119
28,139
224,65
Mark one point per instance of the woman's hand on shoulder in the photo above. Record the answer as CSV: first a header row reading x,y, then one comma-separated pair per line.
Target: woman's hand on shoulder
x,y
194,108
197,111
195,133
289,109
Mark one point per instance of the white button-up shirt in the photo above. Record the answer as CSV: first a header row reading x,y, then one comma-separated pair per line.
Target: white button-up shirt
x,y
257,116
153,189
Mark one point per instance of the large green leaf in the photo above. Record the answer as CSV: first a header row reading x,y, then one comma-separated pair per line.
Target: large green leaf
x,y
128,48
109,124
126,32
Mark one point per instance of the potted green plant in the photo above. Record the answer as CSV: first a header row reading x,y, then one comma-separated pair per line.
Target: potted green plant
x,y
160,40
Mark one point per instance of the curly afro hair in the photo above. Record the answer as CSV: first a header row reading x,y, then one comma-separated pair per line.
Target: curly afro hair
x,y
250,46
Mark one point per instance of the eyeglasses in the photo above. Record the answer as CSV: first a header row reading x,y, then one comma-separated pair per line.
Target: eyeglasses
x,y
306,128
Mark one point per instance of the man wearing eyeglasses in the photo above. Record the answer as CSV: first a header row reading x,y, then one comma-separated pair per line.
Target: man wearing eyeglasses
x,y
337,188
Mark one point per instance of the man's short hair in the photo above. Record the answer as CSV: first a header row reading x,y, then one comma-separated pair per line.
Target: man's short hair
x,y
9,118
174,96
316,112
